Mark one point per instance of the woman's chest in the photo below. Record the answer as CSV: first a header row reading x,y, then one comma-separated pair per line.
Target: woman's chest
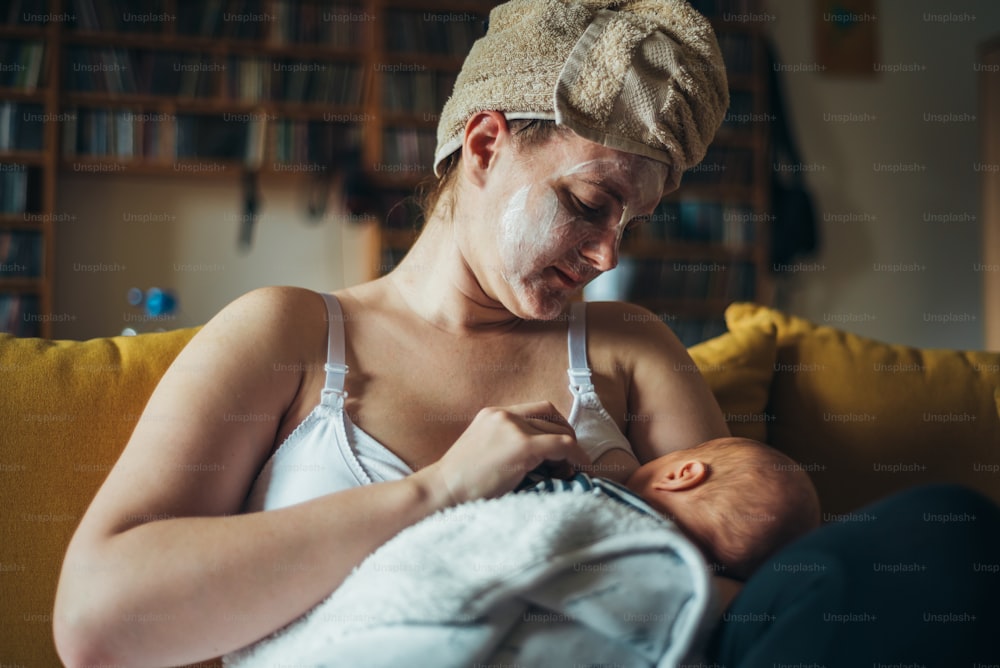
x,y
416,395
419,406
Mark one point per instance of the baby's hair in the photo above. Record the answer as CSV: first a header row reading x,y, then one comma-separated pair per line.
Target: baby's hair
x,y
757,498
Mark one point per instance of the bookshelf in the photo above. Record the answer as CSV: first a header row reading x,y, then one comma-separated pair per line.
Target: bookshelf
x,y
221,88
29,107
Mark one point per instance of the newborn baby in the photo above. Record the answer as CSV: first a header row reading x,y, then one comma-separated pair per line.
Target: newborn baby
x,y
737,499
561,568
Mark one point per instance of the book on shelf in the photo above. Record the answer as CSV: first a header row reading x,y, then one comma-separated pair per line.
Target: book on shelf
x,y
434,32
313,22
418,92
150,16
21,126
24,12
121,133
408,150
20,188
316,143
19,314
203,137
22,64
248,78
121,71
20,253
296,80
224,19
252,137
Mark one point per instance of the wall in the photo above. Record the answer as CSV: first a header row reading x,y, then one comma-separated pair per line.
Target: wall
x,y
902,258
180,233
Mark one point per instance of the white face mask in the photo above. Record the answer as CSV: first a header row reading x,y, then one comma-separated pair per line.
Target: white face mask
x,y
558,234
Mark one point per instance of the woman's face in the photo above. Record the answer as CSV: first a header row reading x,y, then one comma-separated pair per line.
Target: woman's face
x,y
560,214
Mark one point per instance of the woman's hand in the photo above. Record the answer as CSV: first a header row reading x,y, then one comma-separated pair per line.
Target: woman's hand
x,y
500,447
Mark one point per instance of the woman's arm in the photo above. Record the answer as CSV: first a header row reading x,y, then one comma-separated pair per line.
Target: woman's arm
x,y
164,570
669,404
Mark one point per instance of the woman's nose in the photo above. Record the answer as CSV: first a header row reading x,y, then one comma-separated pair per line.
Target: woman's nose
x,y
601,249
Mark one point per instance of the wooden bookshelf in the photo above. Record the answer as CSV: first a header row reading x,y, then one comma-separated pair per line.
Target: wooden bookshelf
x,y
29,107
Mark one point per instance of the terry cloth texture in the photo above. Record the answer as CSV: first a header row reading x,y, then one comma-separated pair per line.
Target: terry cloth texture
x,y
641,76
566,576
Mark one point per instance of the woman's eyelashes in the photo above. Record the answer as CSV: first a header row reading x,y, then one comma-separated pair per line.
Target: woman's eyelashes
x,y
605,214
584,207
587,210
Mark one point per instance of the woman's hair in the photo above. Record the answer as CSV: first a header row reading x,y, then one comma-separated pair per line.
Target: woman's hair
x,y
756,500
525,133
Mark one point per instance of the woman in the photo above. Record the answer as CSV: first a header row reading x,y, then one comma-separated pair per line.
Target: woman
x,y
350,417
169,564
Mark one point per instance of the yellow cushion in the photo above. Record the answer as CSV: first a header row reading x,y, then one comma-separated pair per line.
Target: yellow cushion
x,y
868,418
738,366
67,411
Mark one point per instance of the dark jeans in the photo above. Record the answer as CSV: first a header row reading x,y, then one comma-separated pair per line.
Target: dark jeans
x,y
909,581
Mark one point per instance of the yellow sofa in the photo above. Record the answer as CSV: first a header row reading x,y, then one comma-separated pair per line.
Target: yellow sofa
x,y
862,417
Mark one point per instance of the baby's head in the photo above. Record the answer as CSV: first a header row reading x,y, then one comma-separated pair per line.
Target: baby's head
x,y
738,499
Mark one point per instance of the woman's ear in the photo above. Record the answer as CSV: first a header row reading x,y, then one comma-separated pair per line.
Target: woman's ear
x,y
483,132
685,474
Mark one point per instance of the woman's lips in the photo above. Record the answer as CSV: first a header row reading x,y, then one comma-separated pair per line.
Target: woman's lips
x,y
568,278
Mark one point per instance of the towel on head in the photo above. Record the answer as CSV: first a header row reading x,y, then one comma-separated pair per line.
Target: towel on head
x,y
641,76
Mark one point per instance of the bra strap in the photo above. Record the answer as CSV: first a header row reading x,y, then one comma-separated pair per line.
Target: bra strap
x,y
579,370
335,367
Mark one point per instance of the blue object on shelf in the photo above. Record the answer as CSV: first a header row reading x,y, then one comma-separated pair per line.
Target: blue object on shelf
x,y
159,302
135,296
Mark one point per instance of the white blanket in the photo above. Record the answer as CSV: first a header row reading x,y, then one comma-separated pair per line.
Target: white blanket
x,y
547,580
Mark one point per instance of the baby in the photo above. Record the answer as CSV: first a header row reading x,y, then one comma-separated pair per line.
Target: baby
x,y
737,499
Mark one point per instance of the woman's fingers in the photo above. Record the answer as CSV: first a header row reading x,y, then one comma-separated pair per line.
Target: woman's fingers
x,y
502,444
545,413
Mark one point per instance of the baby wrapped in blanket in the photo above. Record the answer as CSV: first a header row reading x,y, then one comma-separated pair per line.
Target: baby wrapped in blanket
x,y
561,572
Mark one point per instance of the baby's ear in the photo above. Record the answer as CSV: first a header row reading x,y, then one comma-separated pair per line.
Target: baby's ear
x,y
684,475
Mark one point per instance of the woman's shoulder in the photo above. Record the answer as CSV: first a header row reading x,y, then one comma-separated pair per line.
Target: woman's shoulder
x,y
277,298
283,317
628,324
625,335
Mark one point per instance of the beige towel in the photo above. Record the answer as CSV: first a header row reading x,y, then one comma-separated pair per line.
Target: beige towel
x,y
641,76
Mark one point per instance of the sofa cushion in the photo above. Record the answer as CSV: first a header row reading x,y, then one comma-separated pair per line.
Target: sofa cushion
x,y
738,366
68,409
867,418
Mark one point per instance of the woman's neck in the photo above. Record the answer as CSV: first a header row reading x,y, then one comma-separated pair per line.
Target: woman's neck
x,y
436,282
